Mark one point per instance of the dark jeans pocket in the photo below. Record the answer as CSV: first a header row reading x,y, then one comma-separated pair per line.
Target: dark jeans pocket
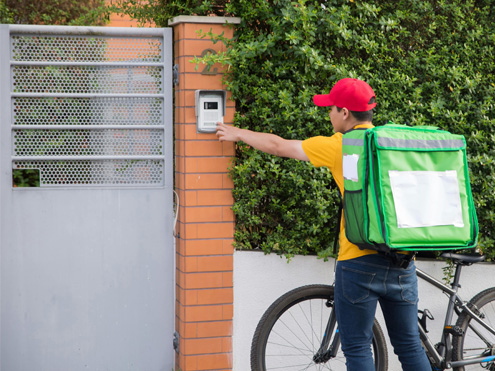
x,y
356,285
409,287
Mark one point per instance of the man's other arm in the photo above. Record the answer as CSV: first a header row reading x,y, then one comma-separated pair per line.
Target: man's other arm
x,y
269,143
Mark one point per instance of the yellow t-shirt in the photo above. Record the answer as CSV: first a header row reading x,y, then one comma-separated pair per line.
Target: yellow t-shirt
x,y
327,151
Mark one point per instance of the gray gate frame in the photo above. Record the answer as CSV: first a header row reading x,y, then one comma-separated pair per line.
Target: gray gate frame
x,y
6,145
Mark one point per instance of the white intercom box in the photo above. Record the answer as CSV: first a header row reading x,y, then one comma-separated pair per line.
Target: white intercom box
x,y
210,109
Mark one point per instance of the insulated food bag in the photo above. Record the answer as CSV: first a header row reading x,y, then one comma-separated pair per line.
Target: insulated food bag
x,y
407,188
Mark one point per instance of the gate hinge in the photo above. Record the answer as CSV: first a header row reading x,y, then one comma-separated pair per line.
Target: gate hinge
x,y
175,342
175,71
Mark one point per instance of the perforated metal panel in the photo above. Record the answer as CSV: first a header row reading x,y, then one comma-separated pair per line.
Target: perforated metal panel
x,y
87,111
112,86
103,172
85,142
87,80
74,48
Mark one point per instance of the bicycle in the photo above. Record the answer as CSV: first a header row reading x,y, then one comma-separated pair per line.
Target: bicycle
x,y
299,331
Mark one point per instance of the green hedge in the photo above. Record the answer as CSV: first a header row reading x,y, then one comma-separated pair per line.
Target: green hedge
x,y
429,62
54,12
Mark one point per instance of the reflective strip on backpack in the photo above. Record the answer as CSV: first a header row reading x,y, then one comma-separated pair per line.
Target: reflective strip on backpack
x,y
352,142
420,143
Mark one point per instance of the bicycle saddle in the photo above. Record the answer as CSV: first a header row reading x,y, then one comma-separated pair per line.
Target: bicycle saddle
x,y
463,259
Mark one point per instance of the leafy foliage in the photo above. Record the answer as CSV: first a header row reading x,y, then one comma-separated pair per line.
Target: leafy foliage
x,y
6,15
430,62
55,12
159,12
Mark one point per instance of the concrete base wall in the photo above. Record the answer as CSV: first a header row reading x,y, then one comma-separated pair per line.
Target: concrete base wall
x,y
260,279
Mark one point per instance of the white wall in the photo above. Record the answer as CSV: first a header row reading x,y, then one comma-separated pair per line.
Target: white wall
x,y
260,279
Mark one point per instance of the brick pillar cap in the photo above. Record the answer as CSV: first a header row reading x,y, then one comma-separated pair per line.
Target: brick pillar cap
x,y
203,19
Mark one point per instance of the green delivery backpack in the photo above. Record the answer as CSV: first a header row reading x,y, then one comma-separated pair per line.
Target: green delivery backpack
x,y
407,188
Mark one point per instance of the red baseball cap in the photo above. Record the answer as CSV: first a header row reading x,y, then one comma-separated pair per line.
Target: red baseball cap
x,y
353,94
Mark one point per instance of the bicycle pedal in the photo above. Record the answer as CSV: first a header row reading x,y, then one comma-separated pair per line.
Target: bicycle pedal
x,y
454,330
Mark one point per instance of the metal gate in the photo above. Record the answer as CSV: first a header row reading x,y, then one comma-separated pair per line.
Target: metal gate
x,y
86,202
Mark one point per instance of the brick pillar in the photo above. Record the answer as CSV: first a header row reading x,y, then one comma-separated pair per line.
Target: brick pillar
x,y
204,292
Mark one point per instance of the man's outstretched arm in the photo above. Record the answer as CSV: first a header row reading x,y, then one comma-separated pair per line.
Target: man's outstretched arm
x,y
269,143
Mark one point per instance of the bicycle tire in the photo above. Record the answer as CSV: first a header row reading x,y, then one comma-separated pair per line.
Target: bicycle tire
x,y
469,344
293,314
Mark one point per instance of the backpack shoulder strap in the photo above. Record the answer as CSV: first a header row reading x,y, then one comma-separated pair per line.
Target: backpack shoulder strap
x,y
337,225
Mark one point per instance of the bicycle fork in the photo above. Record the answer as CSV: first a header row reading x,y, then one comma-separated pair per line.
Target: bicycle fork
x,y
325,352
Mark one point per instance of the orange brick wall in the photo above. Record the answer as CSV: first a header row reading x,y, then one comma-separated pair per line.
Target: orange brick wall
x,y
119,20
204,294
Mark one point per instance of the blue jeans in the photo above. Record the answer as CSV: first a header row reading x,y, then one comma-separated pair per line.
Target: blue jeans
x,y
359,284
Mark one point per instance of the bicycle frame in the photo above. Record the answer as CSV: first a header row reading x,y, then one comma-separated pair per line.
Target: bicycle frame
x,y
443,356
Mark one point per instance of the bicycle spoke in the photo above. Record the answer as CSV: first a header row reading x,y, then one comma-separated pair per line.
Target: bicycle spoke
x,y
309,322
292,345
305,367
288,346
300,327
289,367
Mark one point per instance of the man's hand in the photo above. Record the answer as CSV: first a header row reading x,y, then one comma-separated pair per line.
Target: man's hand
x,y
226,133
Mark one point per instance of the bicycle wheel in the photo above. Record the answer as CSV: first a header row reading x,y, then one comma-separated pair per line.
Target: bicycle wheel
x,y
291,331
476,341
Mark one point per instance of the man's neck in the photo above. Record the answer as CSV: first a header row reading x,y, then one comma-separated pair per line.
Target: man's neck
x,y
355,123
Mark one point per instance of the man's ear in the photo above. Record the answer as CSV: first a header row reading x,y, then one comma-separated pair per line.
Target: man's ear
x,y
346,113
